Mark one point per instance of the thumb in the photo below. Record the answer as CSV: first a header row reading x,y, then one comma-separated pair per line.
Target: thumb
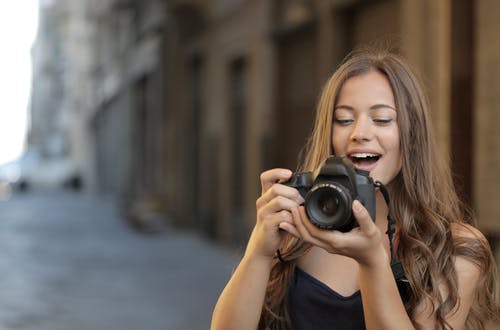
x,y
362,216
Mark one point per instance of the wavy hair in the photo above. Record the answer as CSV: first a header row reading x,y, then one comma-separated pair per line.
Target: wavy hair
x,y
424,204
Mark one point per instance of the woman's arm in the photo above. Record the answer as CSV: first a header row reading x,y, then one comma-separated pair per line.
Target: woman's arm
x,y
383,308
240,304
382,304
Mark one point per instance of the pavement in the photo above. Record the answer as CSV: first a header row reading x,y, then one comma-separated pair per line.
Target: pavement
x,y
70,262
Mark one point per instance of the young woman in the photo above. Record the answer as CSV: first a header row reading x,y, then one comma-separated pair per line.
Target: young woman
x,y
372,110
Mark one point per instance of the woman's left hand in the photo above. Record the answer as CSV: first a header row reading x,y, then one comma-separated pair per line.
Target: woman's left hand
x,y
363,243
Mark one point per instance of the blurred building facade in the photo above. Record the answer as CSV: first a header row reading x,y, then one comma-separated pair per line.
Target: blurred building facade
x,y
175,106
108,60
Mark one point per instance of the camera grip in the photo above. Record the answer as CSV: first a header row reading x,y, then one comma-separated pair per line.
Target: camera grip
x,y
366,195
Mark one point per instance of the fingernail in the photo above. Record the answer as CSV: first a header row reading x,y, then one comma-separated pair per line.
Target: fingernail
x,y
356,206
300,199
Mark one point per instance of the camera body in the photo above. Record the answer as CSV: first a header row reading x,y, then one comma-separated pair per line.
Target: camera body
x,y
330,190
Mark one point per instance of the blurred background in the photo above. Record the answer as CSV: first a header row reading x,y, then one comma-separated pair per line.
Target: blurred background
x,y
160,114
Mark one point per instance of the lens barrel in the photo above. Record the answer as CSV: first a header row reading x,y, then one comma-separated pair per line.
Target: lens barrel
x,y
328,205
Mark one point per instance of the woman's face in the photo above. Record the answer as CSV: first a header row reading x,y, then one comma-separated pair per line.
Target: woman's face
x,y
365,127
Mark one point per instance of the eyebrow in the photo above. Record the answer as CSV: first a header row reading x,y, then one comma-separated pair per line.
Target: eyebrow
x,y
373,107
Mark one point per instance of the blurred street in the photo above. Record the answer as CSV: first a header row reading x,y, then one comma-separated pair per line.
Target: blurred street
x,y
68,262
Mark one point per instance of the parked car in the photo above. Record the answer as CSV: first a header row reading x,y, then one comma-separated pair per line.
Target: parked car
x,y
30,171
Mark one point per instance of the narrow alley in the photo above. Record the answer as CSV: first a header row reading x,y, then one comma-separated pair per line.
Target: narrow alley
x,y
69,262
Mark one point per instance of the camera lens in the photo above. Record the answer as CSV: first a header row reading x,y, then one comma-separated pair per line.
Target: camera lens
x,y
328,205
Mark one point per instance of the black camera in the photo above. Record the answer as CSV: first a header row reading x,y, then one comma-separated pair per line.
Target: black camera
x,y
330,190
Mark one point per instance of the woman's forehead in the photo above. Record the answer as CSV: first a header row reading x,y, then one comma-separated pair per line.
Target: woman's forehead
x,y
372,87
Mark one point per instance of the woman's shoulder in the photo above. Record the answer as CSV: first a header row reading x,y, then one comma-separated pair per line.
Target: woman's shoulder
x,y
472,249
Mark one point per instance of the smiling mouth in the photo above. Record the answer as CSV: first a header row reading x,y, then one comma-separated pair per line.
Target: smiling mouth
x,y
363,160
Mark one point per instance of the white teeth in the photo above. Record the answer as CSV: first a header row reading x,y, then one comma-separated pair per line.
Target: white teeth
x,y
363,155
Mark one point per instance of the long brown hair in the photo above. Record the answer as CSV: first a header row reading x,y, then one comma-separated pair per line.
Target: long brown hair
x,y
424,203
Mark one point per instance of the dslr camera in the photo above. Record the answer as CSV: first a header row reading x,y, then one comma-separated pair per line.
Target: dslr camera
x,y
330,190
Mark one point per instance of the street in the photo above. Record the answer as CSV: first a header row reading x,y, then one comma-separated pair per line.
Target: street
x,y
70,262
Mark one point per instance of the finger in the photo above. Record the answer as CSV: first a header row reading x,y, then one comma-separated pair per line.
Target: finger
x,y
361,214
289,228
299,219
272,221
279,190
329,240
283,216
277,204
270,177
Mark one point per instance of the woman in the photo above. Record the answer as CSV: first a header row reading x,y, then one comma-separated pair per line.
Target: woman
x,y
372,110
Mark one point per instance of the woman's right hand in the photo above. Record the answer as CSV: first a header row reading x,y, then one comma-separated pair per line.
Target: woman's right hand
x,y
240,304
273,212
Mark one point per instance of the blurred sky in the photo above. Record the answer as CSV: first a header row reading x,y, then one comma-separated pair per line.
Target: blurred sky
x,y
18,23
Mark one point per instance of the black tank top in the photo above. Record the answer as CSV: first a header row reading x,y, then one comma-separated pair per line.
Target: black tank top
x,y
313,305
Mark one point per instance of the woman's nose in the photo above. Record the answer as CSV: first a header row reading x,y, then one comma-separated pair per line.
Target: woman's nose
x,y
362,129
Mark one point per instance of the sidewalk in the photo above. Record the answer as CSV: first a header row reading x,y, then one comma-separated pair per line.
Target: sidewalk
x,y
68,262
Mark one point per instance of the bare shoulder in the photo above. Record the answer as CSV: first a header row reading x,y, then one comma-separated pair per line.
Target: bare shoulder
x,y
471,258
472,250
468,272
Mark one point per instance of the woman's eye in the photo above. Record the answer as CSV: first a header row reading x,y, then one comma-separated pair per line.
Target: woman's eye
x,y
382,120
342,121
